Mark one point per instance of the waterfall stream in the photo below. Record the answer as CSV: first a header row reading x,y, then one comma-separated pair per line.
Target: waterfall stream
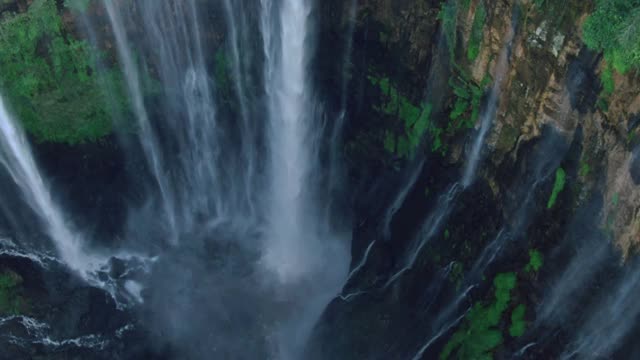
x,y
488,115
189,179
17,159
250,180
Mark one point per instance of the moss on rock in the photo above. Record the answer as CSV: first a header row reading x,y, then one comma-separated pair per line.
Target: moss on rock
x,y
480,334
415,120
11,303
518,323
558,186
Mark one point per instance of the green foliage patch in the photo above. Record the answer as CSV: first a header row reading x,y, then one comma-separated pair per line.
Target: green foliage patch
x,y
52,80
480,334
585,169
449,21
614,28
608,83
535,261
518,323
448,16
77,5
466,108
415,120
558,186
11,303
475,39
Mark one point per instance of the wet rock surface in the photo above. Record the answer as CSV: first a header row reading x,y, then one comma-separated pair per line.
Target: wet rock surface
x,y
416,271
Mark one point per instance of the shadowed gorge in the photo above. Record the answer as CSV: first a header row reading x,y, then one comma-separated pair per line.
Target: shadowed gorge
x,y
307,179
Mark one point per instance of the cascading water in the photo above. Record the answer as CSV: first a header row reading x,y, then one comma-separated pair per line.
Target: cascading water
x,y
226,170
18,161
242,188
289,133
70,244
147,136
489,113
298,243
207,169
239,31
429,228
443,208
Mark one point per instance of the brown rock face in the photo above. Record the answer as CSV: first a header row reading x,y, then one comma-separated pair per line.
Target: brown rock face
x,y
552,80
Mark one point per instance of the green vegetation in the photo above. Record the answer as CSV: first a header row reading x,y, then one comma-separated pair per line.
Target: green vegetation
x,y
415,121
539,3
535,261
608,87
613,29
448,16
465,5
608,84
480,334
558,186
10,302
518,323
449,20
475,39
585,169
466,108
52,81
77,5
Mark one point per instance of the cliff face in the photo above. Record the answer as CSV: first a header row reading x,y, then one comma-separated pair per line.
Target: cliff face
x,y
552,79
441,267
560,143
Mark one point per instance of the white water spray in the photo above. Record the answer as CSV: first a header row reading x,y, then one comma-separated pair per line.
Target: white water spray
x,y
18,160
147,136
290,251
299,244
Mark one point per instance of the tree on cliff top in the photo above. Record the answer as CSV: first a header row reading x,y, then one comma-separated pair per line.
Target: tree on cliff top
x,y
614,28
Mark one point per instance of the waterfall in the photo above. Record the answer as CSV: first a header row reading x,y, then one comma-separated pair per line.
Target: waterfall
x,y
231,173
400,198
250,178
238,30
287,250
299,244
18,161
147,136
488,114
191,156
429,228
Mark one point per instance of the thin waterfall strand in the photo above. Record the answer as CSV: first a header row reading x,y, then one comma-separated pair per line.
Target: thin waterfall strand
x,y
147,136
18,160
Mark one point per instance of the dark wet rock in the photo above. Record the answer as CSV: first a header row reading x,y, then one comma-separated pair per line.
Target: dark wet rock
x,y
64,318
582,81
634,166
634,121
117,268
